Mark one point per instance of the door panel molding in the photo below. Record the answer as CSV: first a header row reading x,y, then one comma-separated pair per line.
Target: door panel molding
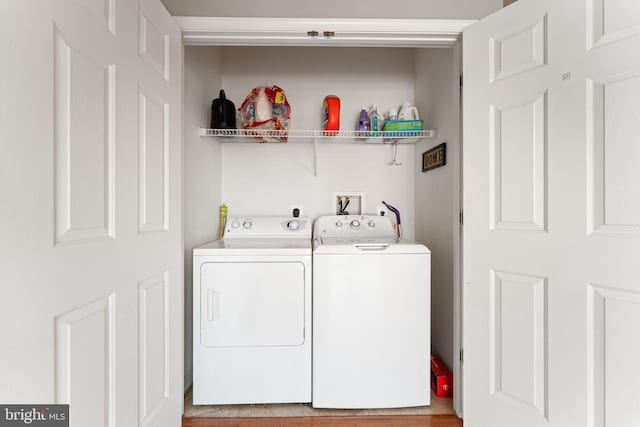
x,y
612,105
103,10
518,52
613,348
153,45
506,211
154,344
598,35
85,357
153,162
518,337
84,144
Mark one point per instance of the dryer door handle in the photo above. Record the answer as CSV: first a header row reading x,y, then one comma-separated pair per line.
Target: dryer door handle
x,y
372,246
213,304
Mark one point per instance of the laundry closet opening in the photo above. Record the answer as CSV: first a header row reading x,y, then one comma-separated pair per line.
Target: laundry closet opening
x,y
256,179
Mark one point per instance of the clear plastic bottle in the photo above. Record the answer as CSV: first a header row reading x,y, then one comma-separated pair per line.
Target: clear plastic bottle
x,y
264,110
375,119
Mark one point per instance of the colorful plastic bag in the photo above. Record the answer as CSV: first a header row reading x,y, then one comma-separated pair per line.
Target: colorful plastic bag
x,y
266,107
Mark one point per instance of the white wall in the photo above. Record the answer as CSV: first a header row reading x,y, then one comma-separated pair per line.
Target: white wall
x,y
437,96
202,170
265,179
442,9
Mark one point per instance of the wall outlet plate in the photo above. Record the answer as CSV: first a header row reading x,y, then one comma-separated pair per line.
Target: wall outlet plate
x,y
382,208
356,205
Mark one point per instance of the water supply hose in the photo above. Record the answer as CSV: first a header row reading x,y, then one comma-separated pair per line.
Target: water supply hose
x,y
397,214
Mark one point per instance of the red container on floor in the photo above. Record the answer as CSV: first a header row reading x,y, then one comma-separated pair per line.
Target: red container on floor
x,y
441,378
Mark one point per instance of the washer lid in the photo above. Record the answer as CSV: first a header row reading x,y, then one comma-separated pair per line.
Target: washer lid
x,y
379,246
246,246
357,240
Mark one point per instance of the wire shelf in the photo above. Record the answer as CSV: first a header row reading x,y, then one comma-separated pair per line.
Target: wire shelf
x,y
343,136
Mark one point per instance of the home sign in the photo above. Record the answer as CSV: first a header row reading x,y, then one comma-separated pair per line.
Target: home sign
x,y
435,157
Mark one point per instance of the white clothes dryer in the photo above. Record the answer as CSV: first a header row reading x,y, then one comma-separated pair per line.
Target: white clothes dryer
x,y
371,315
252,313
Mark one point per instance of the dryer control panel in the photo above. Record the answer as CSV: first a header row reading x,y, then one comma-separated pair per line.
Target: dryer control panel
x,y
268,227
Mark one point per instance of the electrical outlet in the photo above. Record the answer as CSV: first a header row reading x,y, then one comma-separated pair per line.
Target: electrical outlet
x,y
382,210
299,207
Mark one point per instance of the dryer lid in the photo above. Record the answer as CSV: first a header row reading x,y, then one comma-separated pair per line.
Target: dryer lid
x,y
245,246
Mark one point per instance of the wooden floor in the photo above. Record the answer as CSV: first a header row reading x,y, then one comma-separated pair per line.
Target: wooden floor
x,y
348,421
439,414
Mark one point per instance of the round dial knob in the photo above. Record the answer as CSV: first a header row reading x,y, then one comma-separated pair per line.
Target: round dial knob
x,y
247,224
355,223
293,225
235,224
371,224
338,223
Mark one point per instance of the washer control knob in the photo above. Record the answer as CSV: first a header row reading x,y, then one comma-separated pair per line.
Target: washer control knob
x,y
338,223
247,224
371,224
235,224
293,225
355,223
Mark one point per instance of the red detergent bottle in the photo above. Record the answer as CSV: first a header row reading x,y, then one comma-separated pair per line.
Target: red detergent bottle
x,y
331,115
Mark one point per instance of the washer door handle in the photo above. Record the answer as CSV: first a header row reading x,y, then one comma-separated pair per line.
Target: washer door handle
x,y
372,246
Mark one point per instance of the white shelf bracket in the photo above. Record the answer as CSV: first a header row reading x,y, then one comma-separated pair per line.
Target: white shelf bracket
x,y
315,157
394,157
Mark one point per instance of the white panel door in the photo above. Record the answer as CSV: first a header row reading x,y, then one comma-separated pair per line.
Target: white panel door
x,y
552,215
91,224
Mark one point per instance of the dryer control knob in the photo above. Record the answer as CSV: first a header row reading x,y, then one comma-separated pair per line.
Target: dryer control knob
x,y
355,223
235,224
371,224
338,223
247,224
293,225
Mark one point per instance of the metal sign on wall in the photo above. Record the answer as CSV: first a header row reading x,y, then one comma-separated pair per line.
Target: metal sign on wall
x,y
435,157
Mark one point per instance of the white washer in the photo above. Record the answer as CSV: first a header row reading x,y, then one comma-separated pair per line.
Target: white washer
x,y
252,313
371,314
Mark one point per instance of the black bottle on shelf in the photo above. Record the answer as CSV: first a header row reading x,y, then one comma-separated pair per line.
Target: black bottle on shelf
x,y
223,113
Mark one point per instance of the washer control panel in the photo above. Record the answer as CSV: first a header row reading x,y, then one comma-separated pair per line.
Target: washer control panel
x,y
267,227
360,226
